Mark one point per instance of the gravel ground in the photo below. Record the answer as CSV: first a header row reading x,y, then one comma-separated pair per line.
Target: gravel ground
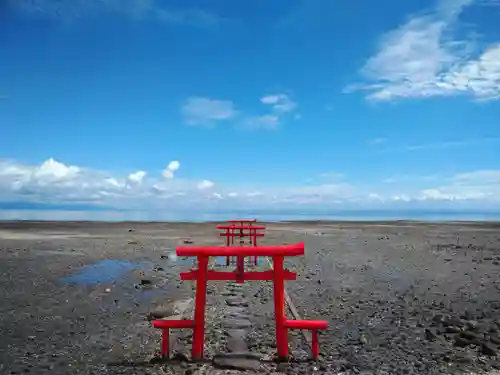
x,y
400,298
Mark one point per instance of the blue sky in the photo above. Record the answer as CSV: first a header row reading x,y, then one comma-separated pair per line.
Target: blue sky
x,y
252,104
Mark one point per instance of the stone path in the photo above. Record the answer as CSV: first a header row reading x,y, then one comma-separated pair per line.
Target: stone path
x,y
236,325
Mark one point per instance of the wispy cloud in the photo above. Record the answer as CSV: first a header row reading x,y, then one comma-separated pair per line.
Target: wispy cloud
x,y
453,144
279,102
269,122
206,111
422,59
71,10
469,142
377,141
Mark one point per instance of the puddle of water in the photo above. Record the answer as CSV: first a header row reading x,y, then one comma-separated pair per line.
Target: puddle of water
x,y
102,272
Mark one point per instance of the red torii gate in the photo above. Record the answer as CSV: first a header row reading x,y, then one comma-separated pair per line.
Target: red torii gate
x,y
278,275
243,222
230,234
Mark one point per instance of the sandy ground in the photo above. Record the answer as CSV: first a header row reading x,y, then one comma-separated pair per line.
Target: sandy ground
x,y
400,297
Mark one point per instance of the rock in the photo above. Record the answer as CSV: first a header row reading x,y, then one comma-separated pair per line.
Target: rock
x,y
237,361
438,319
236,345
495,340
488,349
452,329
462,342
282,367
235,315
430,334
236,310
471,324
471,336
237,332
161,313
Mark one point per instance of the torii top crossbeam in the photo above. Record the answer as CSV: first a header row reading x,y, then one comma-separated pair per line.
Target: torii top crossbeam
x,y
270,251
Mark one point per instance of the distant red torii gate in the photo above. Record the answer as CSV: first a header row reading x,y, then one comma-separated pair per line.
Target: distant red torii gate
x,y
230,232
278,275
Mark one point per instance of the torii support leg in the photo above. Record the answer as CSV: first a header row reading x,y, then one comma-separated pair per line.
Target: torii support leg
x,y
199,311
279,308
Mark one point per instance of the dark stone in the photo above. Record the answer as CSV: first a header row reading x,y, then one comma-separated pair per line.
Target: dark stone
x,y
495,340
471,336
462,342
180,357
452,329
438,319
237,361
430,335
488,349
146,282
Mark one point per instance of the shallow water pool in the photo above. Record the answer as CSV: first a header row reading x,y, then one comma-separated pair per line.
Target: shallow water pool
x,y
103,272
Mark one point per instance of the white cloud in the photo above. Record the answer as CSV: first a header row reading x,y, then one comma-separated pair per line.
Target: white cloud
x,y
205,184
280,103
262,122
137,177
205,111
55,182
421,59
172,167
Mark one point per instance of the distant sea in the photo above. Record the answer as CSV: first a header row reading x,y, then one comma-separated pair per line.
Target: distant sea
x,y
276,215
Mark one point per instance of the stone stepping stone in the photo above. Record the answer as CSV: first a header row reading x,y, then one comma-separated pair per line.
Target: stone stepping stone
x,y
236,310
236,301
237,323
236,341
235,332
237,361
235,315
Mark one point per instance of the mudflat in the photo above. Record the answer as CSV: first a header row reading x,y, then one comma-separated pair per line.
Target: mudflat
x,y
399,297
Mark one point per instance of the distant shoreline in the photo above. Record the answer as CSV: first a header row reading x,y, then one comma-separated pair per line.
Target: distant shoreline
x,y
281,222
